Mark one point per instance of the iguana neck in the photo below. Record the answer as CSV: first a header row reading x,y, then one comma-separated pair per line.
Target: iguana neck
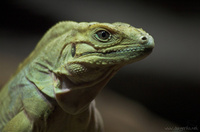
x,y
75,98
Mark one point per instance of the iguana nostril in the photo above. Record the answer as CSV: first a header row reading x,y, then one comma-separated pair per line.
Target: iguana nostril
x,y
144,38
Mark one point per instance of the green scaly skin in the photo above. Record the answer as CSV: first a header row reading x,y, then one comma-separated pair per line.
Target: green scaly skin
x,y
53,90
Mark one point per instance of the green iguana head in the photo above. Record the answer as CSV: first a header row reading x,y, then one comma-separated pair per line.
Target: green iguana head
x,y
87,52
98,48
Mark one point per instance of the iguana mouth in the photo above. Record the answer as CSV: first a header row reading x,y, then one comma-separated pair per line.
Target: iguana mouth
x,y
125,55
132,50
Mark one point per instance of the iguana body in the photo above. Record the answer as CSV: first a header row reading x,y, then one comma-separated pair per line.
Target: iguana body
x,y
53,90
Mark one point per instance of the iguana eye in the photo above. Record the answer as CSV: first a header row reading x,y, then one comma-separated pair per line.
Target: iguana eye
x,y
103,35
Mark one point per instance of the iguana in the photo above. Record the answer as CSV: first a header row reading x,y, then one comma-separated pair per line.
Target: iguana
x,y
53,90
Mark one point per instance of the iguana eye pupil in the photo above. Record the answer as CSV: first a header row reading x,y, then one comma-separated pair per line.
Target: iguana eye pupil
x,y
103,35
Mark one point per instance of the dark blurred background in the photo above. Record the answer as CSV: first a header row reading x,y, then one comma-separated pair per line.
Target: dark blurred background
x,y
166,84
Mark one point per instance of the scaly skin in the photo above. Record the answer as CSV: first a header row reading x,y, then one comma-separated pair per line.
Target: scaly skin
x,y
53,90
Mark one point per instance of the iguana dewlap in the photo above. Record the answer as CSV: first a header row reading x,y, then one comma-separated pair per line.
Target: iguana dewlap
x,y
53,90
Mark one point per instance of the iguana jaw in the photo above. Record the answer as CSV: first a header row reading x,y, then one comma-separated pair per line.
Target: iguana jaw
x,y
92,67
113,52
114,56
